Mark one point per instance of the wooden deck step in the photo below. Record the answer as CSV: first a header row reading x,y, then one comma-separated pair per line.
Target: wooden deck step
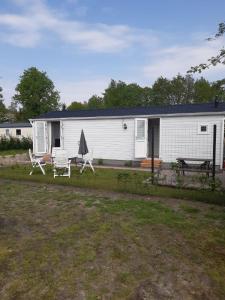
x,y
147,163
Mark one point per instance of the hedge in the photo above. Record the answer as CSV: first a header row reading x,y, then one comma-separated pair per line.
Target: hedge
x,y
10,143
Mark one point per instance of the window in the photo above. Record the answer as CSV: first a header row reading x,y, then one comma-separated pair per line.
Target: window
x,y
7,132
203,129
40,137
18,131
140,129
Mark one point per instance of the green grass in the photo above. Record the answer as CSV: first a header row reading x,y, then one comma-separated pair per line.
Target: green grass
x,y
12,152
113,180
58,244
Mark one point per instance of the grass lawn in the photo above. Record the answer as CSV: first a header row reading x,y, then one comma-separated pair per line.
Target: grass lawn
x,y
112,180
57,243
12,152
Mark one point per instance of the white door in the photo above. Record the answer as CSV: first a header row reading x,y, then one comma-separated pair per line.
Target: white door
x,y
141,138
41,137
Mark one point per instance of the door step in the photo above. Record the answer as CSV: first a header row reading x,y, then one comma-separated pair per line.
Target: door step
x,y
147,163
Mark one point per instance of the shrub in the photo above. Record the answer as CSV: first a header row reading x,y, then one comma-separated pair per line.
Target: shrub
x,y
11,143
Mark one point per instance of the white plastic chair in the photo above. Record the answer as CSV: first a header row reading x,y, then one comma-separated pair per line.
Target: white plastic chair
x,y
87,162
36,163
61,163
54,149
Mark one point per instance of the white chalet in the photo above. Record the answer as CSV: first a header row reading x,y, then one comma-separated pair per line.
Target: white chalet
x,y
124,134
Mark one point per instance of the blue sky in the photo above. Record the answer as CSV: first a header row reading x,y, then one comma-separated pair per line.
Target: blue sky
x,y
82,44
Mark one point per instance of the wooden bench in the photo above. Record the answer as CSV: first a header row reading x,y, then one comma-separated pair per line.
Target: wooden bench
x,y
201,165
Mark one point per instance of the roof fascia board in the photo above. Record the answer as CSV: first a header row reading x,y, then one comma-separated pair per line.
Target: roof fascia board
x,y
132,116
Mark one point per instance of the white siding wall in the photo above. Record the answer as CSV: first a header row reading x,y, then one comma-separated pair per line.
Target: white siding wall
x,y
179,138
25,132
107,138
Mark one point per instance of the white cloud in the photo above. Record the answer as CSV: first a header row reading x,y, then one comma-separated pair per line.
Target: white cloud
x,y
170,61
81,90
77,90
37,20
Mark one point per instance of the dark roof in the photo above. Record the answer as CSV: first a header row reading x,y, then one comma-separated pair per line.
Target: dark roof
x,y
136,111
14,125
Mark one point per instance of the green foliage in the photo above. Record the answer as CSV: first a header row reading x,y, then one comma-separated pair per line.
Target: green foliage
x,y
95,102
190,209
120,94
110,180
3,109
35,94
208,183
123,177
12,152
215,184
179,90
11,143
176,91
219,90
52,231
77,105
203,91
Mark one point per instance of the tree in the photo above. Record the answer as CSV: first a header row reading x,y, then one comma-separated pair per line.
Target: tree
x,y
178,90
182,89
35,94
161,90
3,109
12,113
203,91
214,60
77,105
219,89
95,102
120,94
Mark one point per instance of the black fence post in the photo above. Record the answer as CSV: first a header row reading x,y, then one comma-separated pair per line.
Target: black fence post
x,y
153,161
214,153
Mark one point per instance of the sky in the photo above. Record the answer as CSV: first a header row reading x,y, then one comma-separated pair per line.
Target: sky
x,y
83,44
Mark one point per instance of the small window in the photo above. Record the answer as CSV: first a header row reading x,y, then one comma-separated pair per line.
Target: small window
x,y
18,131
203,129
7,132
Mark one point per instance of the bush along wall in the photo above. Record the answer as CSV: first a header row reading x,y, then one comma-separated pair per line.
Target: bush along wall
x,y
11,143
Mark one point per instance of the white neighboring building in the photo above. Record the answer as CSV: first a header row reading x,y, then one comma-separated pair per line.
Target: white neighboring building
x,y
17,130
124,134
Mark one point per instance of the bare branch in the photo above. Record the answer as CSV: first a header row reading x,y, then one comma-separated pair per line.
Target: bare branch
x,y
214,60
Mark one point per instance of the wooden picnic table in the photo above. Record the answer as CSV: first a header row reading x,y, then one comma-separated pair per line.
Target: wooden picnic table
x,y
204,165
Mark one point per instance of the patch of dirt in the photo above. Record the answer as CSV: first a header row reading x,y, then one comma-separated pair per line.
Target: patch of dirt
x,y
167,287
171,202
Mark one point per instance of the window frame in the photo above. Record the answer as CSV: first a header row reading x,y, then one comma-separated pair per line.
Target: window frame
x,y
200,125
18,129
141,130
